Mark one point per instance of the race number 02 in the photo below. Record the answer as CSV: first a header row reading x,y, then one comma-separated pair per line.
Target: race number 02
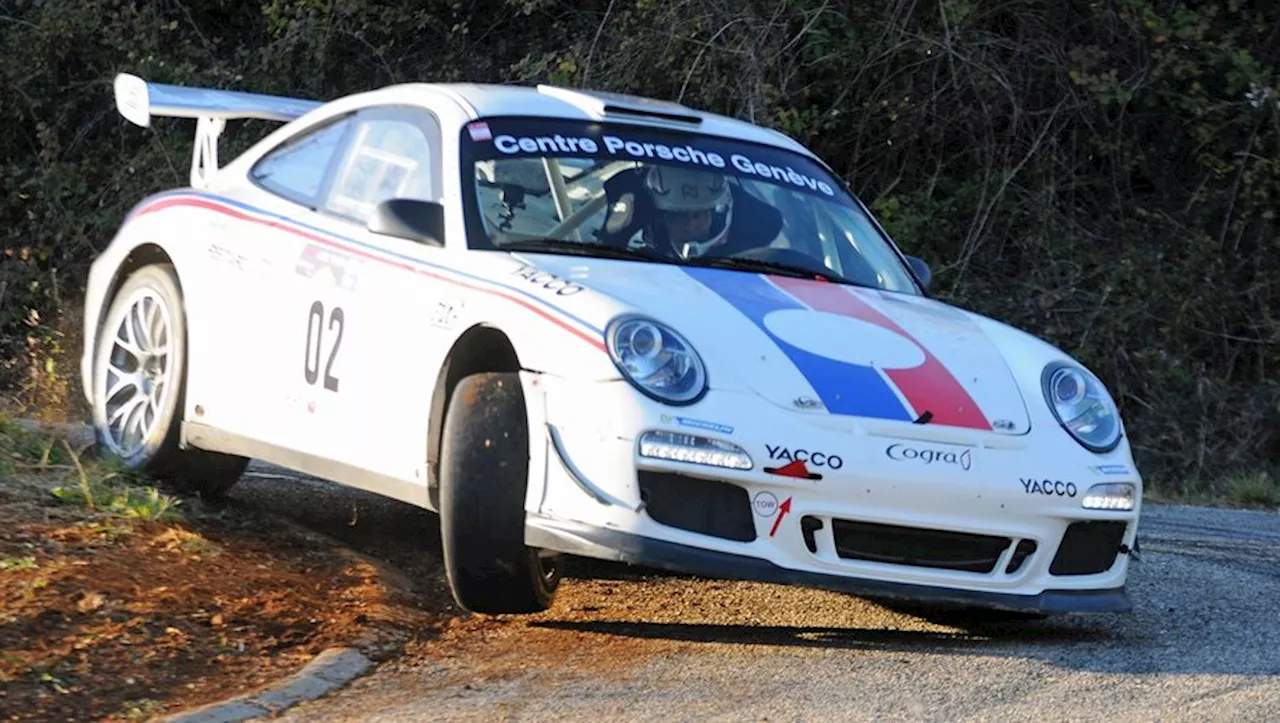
x,y
315,343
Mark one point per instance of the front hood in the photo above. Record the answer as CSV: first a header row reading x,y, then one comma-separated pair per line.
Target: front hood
x,y
822,347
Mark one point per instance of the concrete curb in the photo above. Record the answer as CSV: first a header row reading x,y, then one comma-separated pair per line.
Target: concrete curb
x,y
327,672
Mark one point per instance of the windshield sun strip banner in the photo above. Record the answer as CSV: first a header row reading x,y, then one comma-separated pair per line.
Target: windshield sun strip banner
x,y
501,137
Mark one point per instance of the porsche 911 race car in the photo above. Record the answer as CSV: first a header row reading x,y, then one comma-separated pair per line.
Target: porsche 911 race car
x,y
584,323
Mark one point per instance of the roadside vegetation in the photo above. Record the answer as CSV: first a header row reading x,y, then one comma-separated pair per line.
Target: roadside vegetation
x,y
120,601
1105,175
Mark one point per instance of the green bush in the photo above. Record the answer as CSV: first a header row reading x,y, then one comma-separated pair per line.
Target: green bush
x,y
1105,175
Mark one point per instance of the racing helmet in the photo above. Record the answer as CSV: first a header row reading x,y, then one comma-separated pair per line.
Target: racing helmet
x,y
694,208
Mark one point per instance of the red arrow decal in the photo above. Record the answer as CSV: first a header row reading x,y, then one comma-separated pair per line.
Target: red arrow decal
x,y
783,509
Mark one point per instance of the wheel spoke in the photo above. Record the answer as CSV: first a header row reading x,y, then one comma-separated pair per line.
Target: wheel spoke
x,y
136,423
124,379
139,314
124,339
157,394
145,418
156,329
131,373
126,408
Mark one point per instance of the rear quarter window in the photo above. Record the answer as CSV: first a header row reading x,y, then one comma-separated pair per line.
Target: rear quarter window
x,y
296,170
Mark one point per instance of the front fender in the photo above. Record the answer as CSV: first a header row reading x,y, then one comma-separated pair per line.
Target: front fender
x,y
552,350
1027,356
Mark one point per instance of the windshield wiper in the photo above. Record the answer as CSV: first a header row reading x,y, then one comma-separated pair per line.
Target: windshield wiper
x,y
582,248
772,267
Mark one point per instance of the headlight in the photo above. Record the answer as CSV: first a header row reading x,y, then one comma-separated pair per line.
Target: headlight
x,y
661,444
1109,496
1082,406
657,360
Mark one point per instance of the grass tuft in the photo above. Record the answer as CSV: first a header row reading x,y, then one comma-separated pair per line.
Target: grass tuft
x,y
1259,489
107,487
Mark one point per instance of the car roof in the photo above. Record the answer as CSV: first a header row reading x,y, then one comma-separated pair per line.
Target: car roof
x,y
487,100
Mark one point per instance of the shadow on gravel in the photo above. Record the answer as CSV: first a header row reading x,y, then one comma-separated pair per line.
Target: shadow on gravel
x,y
1176,627
401,539
585,568
977,638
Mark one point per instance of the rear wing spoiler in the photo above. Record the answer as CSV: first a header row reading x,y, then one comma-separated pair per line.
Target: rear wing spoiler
x,y
139,101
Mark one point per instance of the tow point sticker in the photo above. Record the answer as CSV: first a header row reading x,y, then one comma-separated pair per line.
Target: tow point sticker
x,y
765,504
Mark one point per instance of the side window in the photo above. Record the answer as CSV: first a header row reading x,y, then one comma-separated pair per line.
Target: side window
x,y
296,169
387,158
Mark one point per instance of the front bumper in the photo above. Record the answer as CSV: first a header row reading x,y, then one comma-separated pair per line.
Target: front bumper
x,y
578,539
992,520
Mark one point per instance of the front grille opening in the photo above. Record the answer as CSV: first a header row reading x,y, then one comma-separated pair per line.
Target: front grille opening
x,y
698,505
1088,548
918,547
809,525
1024,550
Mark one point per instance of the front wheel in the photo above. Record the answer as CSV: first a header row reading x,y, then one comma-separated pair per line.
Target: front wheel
x,y
484,472
139,375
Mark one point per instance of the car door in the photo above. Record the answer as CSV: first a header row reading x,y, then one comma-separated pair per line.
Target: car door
x,y
357,357
237,365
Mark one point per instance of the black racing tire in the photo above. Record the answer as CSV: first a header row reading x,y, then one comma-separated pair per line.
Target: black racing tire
x,y
484,467
154,451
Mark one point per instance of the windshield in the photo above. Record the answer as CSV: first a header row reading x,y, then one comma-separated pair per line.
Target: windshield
x,y
543,184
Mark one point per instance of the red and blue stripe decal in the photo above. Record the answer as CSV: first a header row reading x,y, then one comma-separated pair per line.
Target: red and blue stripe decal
x,y
586,331
844,387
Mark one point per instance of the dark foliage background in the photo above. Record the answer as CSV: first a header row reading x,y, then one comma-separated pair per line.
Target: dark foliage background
x,y
1105,174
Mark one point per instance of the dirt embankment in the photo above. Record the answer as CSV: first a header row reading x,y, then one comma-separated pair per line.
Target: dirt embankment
x,y
119,602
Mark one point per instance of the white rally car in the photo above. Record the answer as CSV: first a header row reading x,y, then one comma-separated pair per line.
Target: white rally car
x,y
584,323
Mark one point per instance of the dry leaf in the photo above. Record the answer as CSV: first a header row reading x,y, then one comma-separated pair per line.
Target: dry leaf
x,y
91,601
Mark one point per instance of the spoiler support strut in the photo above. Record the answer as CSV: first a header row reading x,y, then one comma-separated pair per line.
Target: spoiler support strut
x,y
139,101
204,161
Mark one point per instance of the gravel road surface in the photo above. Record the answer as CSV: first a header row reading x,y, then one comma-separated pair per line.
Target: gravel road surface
x,y
628,644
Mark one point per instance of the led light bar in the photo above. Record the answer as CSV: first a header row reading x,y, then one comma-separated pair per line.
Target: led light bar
x,y
659,444
1109,496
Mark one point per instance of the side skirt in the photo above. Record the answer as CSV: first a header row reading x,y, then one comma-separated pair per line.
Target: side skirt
x,y
217,440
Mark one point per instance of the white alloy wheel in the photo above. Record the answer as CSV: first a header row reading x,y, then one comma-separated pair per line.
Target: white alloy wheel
x,y
139,369
135,376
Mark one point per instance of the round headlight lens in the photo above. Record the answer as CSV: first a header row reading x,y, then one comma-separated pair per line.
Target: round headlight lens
x,y
657,360
1082,406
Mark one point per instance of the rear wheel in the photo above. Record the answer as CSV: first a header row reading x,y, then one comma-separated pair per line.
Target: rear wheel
x,y
139,375
484,470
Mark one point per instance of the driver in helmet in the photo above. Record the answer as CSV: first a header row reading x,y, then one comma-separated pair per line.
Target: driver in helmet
x,y
692,209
